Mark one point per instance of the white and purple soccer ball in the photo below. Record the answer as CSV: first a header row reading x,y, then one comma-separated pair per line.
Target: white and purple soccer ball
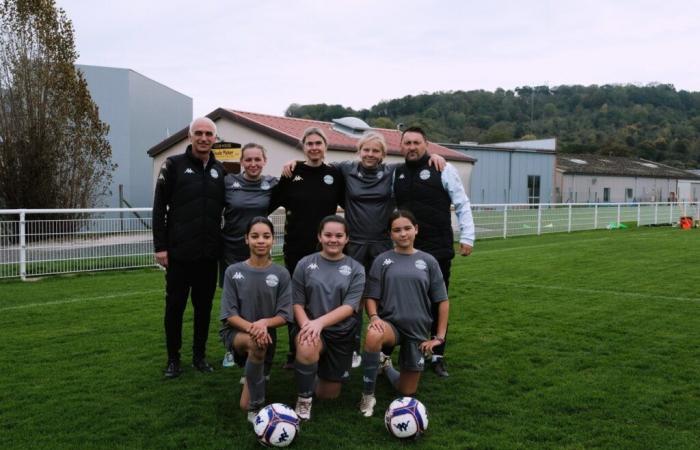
x,y
406,418
276,425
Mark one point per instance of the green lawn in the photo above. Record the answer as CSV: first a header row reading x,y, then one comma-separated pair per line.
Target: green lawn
x,y
583,340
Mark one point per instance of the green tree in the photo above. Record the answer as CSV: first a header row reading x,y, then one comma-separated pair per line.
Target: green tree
x,y
54,151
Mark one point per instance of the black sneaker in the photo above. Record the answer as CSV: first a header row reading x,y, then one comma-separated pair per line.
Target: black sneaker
x,y
173,370
440,368
202,365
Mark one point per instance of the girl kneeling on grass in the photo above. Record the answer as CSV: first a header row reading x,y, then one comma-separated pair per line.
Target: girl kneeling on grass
x,y
402,284
327,289
257,298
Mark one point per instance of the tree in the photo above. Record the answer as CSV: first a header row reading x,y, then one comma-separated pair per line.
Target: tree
x,y
54,151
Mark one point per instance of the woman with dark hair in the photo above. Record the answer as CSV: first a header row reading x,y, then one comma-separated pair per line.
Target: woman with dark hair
x,y
327,289
312,192
247,195
403,283
256,299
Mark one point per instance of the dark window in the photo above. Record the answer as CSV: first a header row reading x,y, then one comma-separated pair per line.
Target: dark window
x,y
533,189
606,195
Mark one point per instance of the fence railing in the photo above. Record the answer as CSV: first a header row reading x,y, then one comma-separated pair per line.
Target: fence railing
x,y
53,241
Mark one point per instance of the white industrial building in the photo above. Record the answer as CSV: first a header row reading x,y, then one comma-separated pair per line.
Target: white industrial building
x,y
140,113
614,179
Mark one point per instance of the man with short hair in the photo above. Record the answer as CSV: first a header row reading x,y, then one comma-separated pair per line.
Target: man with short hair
x,y
187,209
429,194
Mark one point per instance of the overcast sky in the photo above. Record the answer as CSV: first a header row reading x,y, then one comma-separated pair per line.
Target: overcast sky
x,y
261,56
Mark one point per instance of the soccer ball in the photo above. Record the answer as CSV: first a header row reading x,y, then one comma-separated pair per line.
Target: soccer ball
x,y
406,418
276,425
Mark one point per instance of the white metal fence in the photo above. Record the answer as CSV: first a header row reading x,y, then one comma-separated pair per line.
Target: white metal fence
x,y
51,241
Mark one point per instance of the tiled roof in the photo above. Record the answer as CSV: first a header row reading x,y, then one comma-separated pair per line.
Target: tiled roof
x,y
290,130
585,164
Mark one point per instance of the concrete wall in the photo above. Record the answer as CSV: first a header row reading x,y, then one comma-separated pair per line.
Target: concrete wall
x,y
590,188
140,112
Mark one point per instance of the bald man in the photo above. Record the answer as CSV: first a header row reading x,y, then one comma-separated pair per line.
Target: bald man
x,y
187,208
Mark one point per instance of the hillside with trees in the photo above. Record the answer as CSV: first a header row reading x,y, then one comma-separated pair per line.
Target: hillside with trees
x,y
655,122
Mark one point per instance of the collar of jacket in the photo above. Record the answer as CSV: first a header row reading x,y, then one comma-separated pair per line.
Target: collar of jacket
x,y
420,162
194,159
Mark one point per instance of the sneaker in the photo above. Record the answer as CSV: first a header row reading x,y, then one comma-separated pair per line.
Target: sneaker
x,y
367,404
228,360
252,415
440,368
173,369
384,363
356,360
202,365
303,408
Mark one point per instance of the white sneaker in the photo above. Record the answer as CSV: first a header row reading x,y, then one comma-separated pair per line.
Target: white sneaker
x,y
228,360
303,408
367,404
384,363
356,360
252,415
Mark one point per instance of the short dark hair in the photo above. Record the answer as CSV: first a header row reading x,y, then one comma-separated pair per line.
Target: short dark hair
x,y
399,213
333,218
414,129
260,219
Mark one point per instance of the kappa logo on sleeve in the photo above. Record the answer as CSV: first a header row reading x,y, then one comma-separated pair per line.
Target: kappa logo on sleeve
x,y
297,178
238,276
188,170
387,262
312,266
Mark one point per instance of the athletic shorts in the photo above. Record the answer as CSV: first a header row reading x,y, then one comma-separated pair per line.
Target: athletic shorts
x,y
228,336
410,356
335,361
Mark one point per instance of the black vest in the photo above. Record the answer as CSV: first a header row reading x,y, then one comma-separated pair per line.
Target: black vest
x,y
195,208
418,188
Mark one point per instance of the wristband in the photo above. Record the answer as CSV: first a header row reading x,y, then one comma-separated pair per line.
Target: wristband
x,y
373,315
438,338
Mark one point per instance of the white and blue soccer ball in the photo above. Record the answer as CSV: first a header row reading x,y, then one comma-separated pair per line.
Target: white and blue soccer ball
x,y
406,418
276,425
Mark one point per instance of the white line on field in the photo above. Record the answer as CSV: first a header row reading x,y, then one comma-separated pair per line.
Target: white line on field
x,y
79,299
591,291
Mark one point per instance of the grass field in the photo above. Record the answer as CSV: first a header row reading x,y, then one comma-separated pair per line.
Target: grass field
x,y
583,340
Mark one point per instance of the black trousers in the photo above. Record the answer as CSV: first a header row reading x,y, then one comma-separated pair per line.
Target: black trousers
x,y
445,266
182,280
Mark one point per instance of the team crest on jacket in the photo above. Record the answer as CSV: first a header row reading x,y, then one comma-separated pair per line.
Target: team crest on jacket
x,y
265,186
214,174
345,270
380,174
272,280
421,265
424,174
328,179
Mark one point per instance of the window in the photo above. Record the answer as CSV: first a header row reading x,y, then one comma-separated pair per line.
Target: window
x,y
533,189
606,195
629,194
